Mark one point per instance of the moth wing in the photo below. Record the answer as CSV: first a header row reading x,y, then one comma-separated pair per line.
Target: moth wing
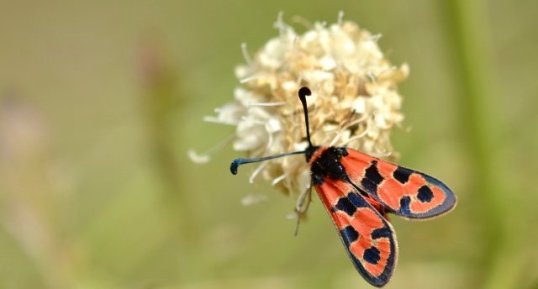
x,y
368,237
402,191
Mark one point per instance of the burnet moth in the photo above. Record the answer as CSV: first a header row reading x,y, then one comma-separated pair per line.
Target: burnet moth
x,y
358,192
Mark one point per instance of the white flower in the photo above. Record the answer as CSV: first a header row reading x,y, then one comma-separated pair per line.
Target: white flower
x,y
354,100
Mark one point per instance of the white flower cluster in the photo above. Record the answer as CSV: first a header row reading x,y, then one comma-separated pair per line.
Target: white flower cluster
x,y
354,100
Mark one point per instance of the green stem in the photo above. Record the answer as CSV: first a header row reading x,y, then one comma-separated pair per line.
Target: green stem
x,y
162,100
468,35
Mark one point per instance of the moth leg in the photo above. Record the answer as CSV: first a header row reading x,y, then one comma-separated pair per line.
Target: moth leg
x,y
301,207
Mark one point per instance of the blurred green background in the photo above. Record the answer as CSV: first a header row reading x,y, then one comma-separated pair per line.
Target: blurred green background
x,y
100,101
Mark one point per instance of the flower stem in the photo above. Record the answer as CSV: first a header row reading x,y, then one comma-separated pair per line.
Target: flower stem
x,y
468,35
161,100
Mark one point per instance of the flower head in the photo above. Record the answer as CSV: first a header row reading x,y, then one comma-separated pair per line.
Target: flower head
x,y
354,100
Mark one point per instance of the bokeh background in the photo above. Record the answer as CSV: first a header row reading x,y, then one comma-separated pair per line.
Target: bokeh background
x,y
100,101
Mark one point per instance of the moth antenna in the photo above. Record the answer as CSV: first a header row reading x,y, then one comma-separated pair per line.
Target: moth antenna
x,y
303,93
241,161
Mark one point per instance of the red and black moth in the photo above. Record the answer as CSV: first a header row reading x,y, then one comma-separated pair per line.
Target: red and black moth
x,y
359,191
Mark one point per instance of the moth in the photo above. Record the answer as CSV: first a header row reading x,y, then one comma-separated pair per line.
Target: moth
x,y
358,191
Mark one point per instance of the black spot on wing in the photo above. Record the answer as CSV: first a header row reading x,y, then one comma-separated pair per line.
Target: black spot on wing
x,y
425,195
349,235
357,200
375,281
450,197
372,178
381,232
344,204
404,206
371,255
402,174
